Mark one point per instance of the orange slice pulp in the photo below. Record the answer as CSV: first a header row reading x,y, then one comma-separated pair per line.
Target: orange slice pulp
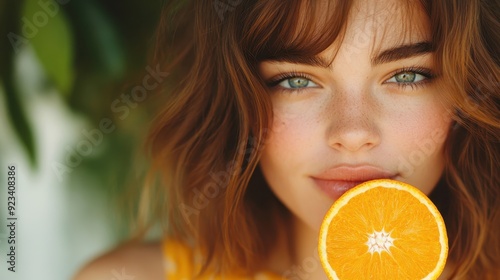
x,y
383,229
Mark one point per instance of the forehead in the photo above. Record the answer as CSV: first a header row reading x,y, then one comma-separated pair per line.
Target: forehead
x,y
380,24
388,20
376,25
279,29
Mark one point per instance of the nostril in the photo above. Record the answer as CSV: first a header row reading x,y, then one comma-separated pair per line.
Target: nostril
x,y
354,140
353,130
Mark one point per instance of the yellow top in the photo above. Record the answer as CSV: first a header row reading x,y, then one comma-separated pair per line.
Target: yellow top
x,y
181,263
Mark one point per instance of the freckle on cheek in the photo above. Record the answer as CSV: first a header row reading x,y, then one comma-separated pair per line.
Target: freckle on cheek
x,y
278,126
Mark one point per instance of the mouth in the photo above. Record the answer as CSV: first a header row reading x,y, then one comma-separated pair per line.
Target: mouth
x,y
336,181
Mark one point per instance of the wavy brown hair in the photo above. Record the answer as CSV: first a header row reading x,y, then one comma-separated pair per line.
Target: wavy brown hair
x,y
205,145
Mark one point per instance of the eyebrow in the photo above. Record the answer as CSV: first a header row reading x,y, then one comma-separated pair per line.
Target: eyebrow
x,y
389,55
403,51
316,61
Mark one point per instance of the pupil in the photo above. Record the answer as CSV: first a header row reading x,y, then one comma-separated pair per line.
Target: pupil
x,y
298,82
406,77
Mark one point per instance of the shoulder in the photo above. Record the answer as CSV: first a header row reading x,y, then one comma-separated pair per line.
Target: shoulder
x,y
127,261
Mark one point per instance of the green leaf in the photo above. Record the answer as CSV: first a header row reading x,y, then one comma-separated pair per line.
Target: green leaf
x,y
9,24
18,120
100,38
46,27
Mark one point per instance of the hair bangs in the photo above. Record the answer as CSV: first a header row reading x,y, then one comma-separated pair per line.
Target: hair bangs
x,y
276,30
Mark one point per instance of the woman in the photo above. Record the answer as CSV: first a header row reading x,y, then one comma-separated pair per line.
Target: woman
x,y
281,106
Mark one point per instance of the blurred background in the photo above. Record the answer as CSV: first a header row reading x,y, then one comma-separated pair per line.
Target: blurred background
x,y
76,88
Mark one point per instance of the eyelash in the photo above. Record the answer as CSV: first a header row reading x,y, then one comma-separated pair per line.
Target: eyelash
x,y
285,76
427,73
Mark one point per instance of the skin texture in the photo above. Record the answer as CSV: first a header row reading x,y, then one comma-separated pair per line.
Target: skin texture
x,y
354,113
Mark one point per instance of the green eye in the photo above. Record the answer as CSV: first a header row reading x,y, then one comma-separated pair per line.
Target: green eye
x,y
296,83
406,77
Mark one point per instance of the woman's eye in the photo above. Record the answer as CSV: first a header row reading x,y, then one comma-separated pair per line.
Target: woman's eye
x,y
407,77
296,83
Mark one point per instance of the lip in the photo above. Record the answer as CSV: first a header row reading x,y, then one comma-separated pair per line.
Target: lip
x,y
336,181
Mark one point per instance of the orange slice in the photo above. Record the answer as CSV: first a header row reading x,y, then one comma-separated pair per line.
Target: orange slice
x,y
383,229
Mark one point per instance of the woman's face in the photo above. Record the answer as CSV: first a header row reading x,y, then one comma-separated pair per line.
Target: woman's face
x,y
375,112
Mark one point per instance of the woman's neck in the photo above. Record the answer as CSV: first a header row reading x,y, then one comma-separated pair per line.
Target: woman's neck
x,y
298,258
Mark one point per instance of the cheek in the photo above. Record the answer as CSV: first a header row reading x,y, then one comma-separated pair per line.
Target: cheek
x,y
287,154
292,132
418,139
424,118
284,145
428,125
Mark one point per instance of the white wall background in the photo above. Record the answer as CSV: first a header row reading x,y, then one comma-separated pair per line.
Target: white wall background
x,y
60,225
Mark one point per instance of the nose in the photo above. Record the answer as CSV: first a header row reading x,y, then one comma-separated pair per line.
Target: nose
x,y
353,123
